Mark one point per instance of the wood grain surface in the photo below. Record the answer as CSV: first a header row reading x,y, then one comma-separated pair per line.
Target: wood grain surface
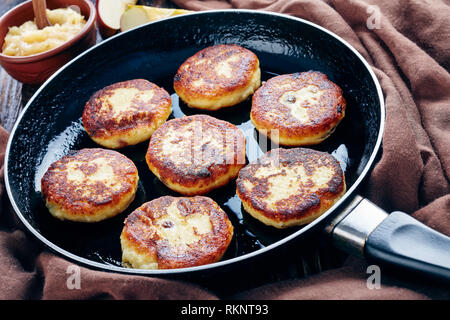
x,y
304,261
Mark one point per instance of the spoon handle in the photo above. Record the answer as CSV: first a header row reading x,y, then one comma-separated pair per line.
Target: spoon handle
x,y
39,8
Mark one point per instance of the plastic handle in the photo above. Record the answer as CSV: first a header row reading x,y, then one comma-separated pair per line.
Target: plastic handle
x,y
401,241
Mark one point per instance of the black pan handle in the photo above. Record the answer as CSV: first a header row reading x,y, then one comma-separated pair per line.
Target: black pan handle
x,y
393,240
401,240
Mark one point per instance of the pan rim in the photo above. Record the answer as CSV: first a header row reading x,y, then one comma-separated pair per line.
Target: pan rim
x,y
330,211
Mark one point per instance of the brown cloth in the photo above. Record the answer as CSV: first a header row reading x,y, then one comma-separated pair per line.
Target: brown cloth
x,y
410,53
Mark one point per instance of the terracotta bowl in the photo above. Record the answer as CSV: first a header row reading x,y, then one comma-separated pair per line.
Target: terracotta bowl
x,y
35,69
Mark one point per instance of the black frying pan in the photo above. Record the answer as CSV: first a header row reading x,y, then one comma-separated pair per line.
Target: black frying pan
x,y
50,126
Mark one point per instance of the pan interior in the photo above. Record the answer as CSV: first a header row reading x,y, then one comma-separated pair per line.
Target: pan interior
x,y
51,126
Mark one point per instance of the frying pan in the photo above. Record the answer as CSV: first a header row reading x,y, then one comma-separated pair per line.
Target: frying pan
x,y
50,127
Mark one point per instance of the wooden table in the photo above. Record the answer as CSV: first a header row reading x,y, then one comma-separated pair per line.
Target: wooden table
x,y
305,261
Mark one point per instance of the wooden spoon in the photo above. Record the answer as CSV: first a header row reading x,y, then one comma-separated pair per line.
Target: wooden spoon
x,y
39,8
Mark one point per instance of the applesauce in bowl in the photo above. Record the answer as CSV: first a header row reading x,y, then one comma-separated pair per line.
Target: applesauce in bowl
x,y
27,39
35,68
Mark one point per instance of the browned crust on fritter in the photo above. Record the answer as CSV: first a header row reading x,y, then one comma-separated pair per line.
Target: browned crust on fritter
x,y
57,189
215,85
268,113
302,204
102,123
139,230
198,175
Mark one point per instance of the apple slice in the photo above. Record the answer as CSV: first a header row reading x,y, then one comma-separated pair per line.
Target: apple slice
x,y
109,13
137,15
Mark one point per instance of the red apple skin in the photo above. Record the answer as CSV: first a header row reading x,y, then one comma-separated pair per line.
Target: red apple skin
x,y
105,30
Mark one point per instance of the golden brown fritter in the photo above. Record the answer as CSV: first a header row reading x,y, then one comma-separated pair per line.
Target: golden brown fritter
x,y
298,109
89,185
126,113
175,232
288,187
196,154
219,76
